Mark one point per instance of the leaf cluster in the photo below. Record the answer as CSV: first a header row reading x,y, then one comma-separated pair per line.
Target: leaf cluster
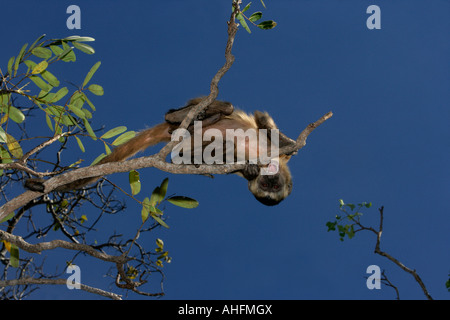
x,y
150,206
254,18
62,109
345,222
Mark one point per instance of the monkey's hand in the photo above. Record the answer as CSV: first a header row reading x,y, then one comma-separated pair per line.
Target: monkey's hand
x,y
251,171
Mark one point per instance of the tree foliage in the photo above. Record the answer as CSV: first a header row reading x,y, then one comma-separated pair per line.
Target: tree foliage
x,y
31,95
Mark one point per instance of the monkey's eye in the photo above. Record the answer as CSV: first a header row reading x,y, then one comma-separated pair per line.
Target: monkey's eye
x,y
276,186
264,185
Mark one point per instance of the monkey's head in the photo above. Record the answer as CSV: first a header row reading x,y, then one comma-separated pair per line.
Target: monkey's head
x,y
273,184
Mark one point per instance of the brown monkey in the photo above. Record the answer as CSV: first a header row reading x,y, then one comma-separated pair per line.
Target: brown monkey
x,y
269,188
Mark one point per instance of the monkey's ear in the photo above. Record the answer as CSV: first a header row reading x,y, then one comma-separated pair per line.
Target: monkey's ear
x,y
264,121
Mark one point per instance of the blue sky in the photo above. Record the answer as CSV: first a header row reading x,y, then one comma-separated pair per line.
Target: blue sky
x,y
388,141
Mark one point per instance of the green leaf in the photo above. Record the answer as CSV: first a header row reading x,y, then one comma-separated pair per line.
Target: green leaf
x,y
40,83
255,16
10,65
265,25
43,53
156,198
83,219
56,50
107,148
145,209
97,160
241,19
9,216
341,203
19,58
350,232
264,5
77,111
91,73
114,132
14,252
124,138
49,121
67,55
183,202
246,7
78,38
83,47
58,95
163,188
163,255
15,114
4,98
6,158
77,99
160,243
96,89
135,183
13,146
50,78
331,226
2,135
87,113
89,129
89,102
159,220
30,64
37,40
80,144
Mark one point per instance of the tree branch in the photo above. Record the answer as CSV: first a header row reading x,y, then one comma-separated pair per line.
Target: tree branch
x,y
397,262
214,86
155,161
50,245
29,281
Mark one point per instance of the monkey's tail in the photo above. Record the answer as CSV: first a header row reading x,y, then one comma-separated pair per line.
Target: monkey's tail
x,y
140,142
143,140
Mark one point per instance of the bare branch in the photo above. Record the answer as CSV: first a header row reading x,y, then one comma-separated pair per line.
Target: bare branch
x,y
43,246
397,262
29,281
388,283
301,140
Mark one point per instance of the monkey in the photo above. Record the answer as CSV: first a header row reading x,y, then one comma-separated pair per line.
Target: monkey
x,y
269,188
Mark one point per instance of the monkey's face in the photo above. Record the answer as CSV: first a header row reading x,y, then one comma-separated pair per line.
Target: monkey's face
x,y
272,186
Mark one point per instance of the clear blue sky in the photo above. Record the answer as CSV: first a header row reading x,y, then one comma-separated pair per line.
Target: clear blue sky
x,y
388,141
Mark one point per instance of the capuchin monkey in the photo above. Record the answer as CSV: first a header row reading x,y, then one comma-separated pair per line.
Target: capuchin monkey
x,y
269,188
